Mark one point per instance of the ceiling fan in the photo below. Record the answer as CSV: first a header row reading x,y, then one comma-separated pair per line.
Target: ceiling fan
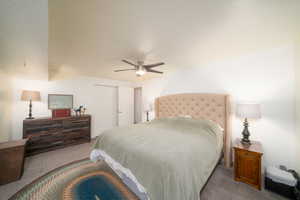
x,y
140,69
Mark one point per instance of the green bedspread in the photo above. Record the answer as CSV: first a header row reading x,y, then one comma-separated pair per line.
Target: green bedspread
x,y
172,158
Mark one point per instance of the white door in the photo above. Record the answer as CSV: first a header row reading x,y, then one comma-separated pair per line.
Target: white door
x,y
125,106
103,106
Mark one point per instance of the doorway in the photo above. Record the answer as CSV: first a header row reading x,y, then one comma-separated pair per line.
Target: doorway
x,y
112,106
138,105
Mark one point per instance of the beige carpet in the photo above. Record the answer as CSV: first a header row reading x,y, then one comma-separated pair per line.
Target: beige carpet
x,y
221,186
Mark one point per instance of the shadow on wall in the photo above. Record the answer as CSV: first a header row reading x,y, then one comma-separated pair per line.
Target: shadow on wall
x,y
5,107
297,62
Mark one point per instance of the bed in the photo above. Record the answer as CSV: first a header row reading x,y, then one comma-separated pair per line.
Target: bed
x,y
173,156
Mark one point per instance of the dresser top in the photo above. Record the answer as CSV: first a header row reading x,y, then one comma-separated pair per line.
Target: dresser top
x,y
12,144
56,118
254,147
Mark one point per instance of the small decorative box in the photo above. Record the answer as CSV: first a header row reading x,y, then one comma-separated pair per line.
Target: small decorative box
x,y
61,113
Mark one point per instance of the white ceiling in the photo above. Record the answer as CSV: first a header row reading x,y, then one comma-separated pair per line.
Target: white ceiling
x,y
91,37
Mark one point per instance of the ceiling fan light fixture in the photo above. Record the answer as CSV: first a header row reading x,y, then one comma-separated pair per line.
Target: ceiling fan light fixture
x,y
140,72
141,69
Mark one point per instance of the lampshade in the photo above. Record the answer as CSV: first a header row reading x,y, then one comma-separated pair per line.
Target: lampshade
x,y
248,110
149,107
28,95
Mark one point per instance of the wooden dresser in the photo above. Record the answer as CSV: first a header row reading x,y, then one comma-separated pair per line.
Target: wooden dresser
x,y
46,134
247,163
11,160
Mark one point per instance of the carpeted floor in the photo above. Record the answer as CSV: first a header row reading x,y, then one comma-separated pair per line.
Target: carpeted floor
x,y
221,186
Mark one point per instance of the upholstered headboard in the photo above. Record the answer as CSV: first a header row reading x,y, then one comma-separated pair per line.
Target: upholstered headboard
x,y
215,107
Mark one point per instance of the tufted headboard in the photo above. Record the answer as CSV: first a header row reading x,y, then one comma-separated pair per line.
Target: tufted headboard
x,y
215,107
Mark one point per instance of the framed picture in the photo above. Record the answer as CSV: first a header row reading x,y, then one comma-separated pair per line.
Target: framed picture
x,y
60,101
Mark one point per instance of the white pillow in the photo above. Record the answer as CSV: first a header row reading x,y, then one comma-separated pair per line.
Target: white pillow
x,y
218,125
186,116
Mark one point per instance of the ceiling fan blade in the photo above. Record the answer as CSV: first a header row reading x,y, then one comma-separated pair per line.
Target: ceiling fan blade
x,y
130,63
153,71
121,70
154,65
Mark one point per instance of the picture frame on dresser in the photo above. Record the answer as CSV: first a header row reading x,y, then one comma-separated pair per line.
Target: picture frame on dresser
x,y
61,105
60,101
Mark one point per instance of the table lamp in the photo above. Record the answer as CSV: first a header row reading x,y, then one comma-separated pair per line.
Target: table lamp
x,y
30,96
247,111
148,109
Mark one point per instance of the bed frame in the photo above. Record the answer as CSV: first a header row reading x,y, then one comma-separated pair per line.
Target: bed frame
x,y
215,107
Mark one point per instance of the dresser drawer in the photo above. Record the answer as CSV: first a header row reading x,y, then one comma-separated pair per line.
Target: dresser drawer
x,y
76,123
80,133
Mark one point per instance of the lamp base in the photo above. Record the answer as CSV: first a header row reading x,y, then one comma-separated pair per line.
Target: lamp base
x,y
245,140
147,116
30,110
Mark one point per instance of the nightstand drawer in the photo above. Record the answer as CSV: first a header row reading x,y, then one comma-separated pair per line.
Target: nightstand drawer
x,y
248,165
247,154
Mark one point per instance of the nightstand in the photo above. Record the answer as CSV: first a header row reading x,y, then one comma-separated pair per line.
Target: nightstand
x,y
11,160
247,163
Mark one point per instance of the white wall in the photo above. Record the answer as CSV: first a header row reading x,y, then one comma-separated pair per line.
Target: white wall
x,y
5,107
266,77
24,38
23,50
85,93
297,62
